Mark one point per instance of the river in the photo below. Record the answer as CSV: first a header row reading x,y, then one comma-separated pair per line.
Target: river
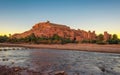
x,y
71,61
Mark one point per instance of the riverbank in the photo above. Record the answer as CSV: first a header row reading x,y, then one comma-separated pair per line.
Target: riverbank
x,y
79,47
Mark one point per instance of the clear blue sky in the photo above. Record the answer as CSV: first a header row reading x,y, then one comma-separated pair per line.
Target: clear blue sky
x,y
17,16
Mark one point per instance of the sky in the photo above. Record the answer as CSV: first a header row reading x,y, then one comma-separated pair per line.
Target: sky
x,y
17,16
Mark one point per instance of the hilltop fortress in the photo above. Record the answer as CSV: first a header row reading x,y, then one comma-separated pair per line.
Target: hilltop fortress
x,y
47,29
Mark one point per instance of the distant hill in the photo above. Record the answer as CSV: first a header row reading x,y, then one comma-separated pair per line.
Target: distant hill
x,y
47,29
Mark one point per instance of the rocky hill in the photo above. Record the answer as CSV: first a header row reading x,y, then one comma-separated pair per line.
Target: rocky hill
x,y
47,29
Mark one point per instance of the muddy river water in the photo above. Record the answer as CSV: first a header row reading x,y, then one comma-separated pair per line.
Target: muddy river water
x,y
72,62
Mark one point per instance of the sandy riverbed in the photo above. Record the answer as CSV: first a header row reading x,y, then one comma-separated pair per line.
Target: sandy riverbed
x,y
79,47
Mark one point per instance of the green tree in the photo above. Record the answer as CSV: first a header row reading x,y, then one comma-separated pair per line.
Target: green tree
x,y
3,39
100,37
31,38
56,37
114,39
13,40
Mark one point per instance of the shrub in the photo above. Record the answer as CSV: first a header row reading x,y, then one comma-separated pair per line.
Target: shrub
x,y
101,42
113,41
3,39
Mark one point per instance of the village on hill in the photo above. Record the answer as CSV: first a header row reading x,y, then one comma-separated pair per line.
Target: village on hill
x,y
51,33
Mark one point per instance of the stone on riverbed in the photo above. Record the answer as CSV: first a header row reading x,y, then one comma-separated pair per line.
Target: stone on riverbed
x,y
60,73
12,48
5,59
16,69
